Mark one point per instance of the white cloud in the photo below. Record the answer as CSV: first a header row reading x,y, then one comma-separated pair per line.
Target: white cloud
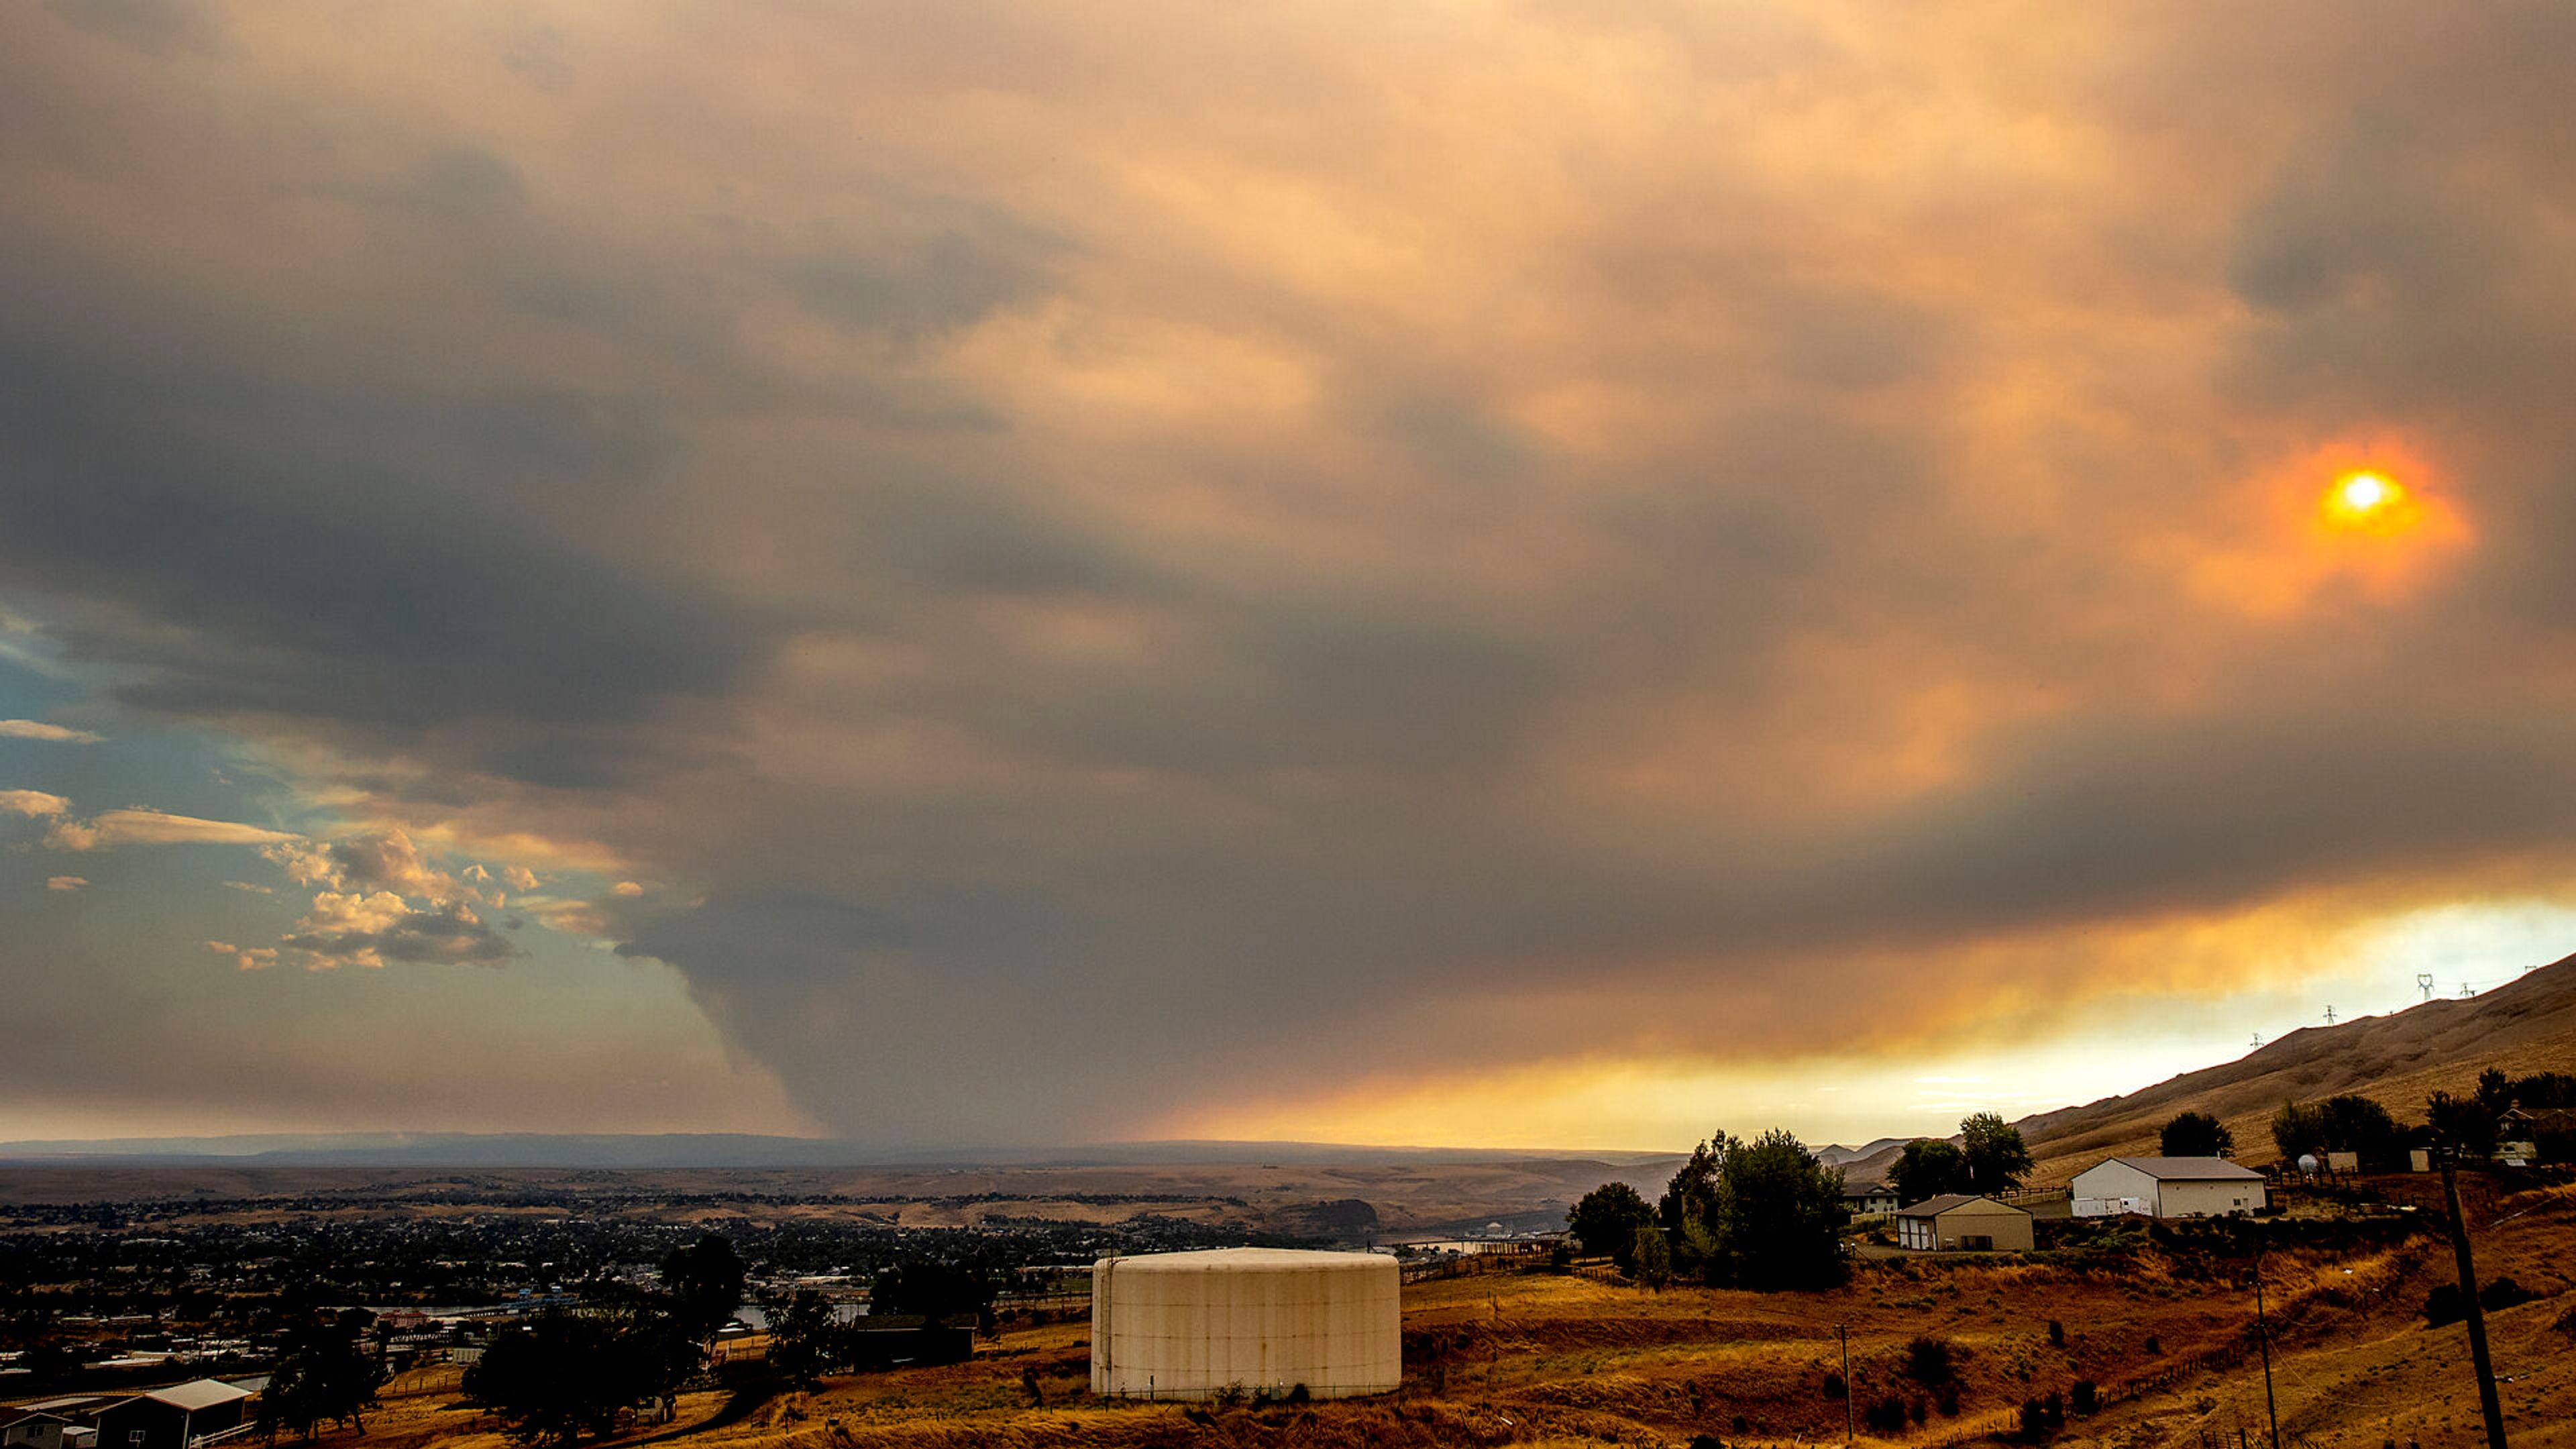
x,y
386,859
28,729
32,802
334,911
243,885
629,889
520,878
248,958
151,827
65,882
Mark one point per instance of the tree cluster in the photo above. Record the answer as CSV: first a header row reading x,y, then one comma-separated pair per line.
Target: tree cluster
x,y
566,1374
2468,1126
1989,1157
1760,1214
324,1372
2348,1123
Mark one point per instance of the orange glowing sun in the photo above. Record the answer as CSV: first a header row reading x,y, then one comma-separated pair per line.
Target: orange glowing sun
x,y
2369,501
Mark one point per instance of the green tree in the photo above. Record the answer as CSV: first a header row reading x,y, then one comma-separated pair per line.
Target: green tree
x,y
323,1372
931,1289
1928,1167
2196,1134
563,1375
2461,1126
2495,1091
704,1281
1779,1215
2358,1125
1998,1159
1692,1194
804,1337
1653,1256
2299,1130
558,1377
1606,1220
2545,1089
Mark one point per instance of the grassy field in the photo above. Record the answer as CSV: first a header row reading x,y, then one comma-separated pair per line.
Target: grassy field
x,y
1554,1360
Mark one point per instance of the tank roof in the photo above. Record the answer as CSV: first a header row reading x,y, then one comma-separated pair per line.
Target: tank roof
x,y
1237,1260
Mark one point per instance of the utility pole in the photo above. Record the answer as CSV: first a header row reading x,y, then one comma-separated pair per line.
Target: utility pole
x,y
2263,1336
2478,1358
1842,1331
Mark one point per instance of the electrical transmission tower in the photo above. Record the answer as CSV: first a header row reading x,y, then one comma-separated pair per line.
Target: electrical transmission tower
x,y
2329,1016
2465,992
2424,983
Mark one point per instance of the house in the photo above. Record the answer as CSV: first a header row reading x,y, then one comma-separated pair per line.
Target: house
x,y
2167,1187
1956,1222
45,1431
1869,1199
171,1418
2537,1134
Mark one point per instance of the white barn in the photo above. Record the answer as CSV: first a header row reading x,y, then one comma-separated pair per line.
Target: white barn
x,y
2167,1187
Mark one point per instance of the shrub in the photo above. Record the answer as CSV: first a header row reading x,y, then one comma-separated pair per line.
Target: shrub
x,y
1946,1399
2055,1404
2503,1293
1928,1360
1835,1388
2034,1420
2154,1344
1918,1410
2444,1306
2056,1334
1888,1414
1297,1394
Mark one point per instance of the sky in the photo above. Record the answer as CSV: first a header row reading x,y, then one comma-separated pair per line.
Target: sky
x,y
1459,573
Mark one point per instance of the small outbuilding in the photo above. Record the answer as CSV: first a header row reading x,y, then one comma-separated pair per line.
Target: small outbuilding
x,y
2168,1187
1957,1222
170,1418
45,1431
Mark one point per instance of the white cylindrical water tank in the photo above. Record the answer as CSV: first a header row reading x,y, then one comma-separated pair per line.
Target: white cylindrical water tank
x,y
1192,1325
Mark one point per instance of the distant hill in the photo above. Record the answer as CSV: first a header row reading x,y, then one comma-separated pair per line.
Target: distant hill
x,y
689,1150
2527,1025
1837,1155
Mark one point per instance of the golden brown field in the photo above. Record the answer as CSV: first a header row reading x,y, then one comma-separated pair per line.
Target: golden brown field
x,y
1558,1360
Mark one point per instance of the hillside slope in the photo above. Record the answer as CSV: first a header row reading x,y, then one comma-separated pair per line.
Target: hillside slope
x,y
2527,1025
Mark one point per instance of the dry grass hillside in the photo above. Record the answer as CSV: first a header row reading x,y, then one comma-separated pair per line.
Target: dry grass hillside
x,y
2527,1025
